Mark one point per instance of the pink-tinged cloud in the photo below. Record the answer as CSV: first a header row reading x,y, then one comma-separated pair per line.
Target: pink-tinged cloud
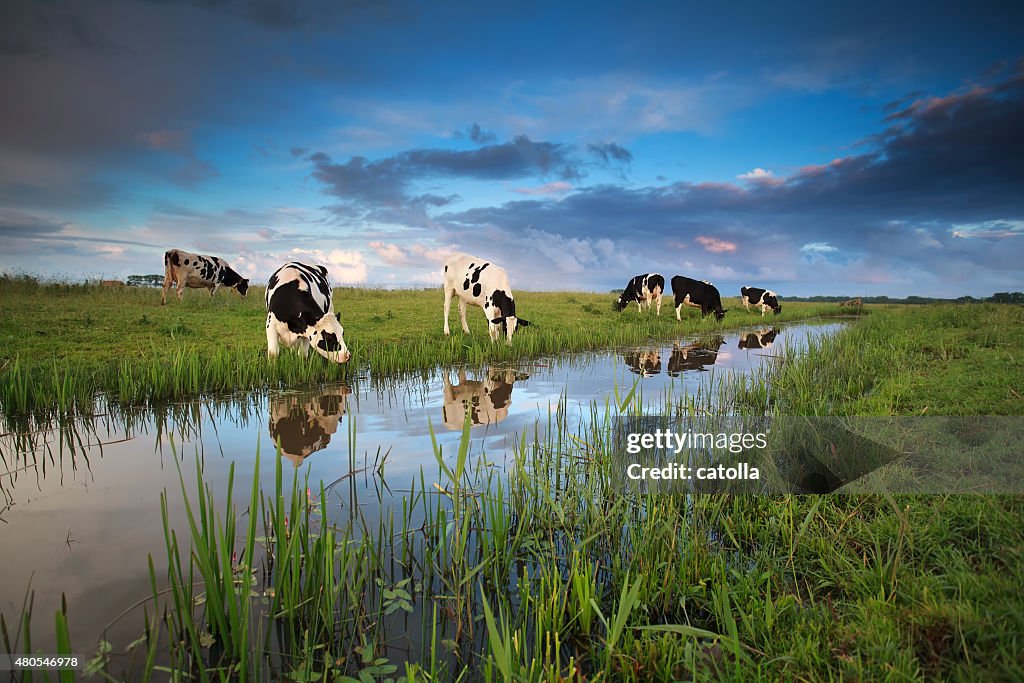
x,y
715,245
394,255
166,140
391,254
557,187
815,169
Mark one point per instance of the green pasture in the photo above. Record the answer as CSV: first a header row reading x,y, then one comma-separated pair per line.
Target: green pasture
x,y
60,344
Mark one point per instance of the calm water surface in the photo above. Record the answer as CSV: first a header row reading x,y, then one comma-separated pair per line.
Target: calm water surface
x,y
80,503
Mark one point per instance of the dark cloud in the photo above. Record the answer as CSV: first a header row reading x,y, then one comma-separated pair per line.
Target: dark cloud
x,y
388,180
936,194
39,29
610,153
480,136
301,14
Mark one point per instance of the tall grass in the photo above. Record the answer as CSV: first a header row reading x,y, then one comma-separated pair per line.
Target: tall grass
x,y
547,571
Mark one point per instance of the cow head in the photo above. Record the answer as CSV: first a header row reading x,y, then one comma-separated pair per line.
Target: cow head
x,y
720,313
243,286
620,303
327,337
509,323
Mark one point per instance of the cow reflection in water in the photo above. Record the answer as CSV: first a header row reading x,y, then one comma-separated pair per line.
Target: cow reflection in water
x,y
487,400
304,422
696,355
644,362
762,339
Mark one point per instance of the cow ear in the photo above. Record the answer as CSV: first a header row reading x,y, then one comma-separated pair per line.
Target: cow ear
x,y
498,321
524,323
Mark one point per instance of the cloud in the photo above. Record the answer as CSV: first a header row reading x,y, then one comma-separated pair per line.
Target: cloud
x,y
556,187
760,176
990,230
714,245
382,190
818,248
935,196
478,135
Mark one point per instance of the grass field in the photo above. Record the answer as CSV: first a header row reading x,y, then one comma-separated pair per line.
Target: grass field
x,y
554,575
59,344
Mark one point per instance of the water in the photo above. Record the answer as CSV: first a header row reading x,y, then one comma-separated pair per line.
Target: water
x,y
80,503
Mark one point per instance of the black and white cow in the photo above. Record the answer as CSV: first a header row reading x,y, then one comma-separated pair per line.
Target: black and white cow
x,y
695,355
699,294
765,298
186,269
643,289
762,339
644,362
300,312
480,283
487,400
302,424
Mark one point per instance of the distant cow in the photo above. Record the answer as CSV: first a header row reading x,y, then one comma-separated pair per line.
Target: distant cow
x,y
694,356
480,283
853,302
765,298
642,289
185,269
303,424
644,362
300,312
762,339
699,294
487,400
112,283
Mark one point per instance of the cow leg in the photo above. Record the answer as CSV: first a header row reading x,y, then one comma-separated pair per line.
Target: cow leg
x,y
679,307
167,286
659,304
447,309
303,344
181,290
213,290
764,309
462,315
639,306
272,347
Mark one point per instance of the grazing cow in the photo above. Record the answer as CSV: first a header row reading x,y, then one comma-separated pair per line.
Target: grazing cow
x,y
765,298
487,400
300,311
853,302
192,270
642,289
694,356
699,294
480,283
762,339
302,424
115,284
644,362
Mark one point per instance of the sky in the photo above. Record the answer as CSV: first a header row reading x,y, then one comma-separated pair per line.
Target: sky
x,y
869,148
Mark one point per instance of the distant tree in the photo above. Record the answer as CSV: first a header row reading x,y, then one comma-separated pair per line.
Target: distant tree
x,y
145,280
1007,298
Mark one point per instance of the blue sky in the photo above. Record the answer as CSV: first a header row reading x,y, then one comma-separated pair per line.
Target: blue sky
x,y
872,148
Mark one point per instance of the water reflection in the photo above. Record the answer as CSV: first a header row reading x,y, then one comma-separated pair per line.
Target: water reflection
x,y
487,400
303,422
760,339
644,362
694,355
